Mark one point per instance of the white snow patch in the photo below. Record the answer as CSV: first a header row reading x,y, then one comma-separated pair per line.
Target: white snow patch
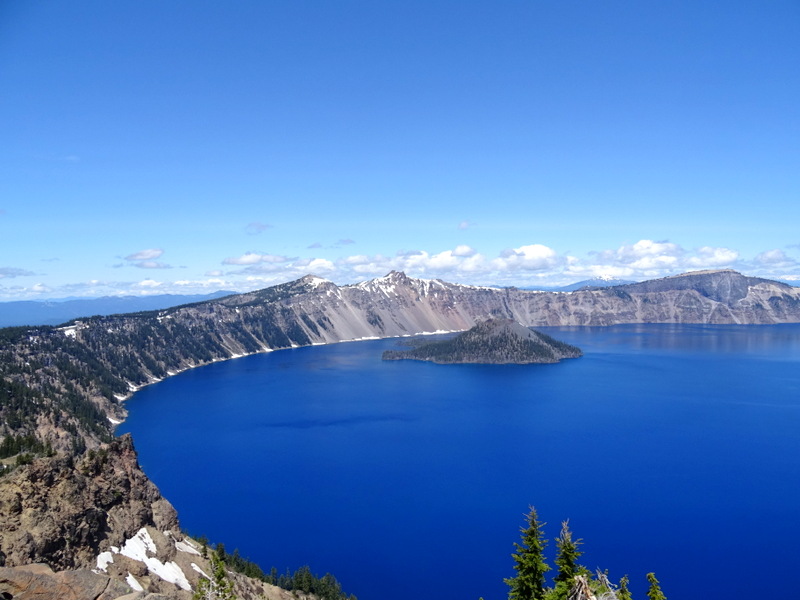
x,y
199,570
70,331
439,331
120,397
104,559
135,585
114,421
186,547
315,281
168,572
140,546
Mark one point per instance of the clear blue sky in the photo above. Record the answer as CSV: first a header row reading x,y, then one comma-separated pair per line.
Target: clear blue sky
x,y
187,146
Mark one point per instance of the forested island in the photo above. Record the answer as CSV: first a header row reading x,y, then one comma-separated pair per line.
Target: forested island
x,y
494,341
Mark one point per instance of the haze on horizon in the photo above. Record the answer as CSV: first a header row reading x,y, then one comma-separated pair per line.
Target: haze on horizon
x,y
186,147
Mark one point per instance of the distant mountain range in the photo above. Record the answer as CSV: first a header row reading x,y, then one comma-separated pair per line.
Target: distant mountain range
x,y
598,282
54,312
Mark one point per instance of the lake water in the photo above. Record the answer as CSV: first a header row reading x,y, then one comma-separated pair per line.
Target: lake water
x,y
673,449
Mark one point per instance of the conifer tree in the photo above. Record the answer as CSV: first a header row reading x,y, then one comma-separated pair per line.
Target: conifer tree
x,y
654,593
528,584
566,561
219,587
623,593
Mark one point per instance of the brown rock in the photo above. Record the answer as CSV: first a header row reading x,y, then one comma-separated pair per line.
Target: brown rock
x,y
64,511
38,582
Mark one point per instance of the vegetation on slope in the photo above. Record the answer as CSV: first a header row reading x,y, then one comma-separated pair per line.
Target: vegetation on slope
x,y
302,580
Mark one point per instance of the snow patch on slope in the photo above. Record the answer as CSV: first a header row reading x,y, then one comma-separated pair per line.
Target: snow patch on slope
x,y
142,548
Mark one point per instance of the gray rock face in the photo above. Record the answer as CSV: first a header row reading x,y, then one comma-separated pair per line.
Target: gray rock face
x,y
724,286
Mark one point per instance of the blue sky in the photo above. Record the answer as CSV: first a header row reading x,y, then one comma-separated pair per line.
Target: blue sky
x,y
184,147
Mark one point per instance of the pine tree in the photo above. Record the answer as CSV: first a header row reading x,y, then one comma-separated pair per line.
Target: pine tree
x,y
566,561
219,587
623,593
530,565
654,593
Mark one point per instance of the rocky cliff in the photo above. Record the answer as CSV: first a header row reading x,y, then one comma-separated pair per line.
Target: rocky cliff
x,y
93,526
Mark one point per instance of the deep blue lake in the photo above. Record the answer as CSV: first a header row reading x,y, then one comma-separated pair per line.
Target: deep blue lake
x,y
673,449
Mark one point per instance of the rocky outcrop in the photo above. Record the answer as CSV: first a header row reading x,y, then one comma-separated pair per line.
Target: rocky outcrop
x,y
39,582
64,511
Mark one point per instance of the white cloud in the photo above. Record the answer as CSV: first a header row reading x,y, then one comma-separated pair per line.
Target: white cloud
x,y
464,225
321,265
463,250
152,264
149,284
774,258
577,271
358,259
211,283
254,258
648,249
707,257
40,288
533,257
655,263
149,254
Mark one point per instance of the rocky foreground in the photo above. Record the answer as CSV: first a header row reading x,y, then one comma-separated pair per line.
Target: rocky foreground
x,y
94,527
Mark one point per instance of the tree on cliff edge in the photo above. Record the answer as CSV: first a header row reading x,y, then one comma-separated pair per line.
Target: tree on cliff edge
x,y
567,562
654,593
528,584
219,587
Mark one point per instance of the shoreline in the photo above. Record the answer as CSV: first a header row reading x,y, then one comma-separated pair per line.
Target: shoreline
x,y
135,388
